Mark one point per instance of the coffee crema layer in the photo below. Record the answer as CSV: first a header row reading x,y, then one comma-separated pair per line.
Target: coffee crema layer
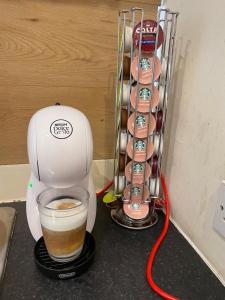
x,y
63,215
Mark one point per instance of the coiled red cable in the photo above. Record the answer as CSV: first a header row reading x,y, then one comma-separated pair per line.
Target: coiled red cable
x,y
151,282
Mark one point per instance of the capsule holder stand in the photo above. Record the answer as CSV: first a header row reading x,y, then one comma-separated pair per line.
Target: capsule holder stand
x,y
144,62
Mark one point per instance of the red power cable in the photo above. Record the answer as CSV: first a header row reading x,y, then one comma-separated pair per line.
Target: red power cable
x,y
151,282
104,189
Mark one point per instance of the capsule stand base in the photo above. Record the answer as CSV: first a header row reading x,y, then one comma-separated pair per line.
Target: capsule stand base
x,y
118,215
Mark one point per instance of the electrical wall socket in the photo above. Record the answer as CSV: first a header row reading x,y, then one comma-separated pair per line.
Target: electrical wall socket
x,y
219,218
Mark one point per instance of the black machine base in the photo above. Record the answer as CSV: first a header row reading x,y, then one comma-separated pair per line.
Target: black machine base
x,y
60,270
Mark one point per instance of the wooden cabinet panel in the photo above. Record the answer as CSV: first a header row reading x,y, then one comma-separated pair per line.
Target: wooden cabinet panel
x,y
58,51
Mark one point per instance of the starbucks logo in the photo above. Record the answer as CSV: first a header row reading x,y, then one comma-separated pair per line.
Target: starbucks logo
x,y
140,121
145,64
145,94
139,145
137,168
135,191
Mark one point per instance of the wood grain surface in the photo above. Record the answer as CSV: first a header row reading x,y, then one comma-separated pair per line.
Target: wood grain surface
x,y
58,51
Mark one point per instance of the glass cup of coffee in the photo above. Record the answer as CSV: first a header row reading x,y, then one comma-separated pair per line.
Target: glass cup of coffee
x,y
63,216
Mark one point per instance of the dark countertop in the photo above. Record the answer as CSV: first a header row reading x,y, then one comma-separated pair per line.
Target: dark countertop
x,y
118,271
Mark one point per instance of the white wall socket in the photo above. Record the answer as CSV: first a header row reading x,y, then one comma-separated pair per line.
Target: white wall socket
x,y
219,218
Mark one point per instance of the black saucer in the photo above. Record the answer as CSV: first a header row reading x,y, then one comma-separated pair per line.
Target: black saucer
x,y
60,270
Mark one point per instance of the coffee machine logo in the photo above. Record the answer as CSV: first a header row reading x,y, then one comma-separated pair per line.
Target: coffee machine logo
x,y
61,129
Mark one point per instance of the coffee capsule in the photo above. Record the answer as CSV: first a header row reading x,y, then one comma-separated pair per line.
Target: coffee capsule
x,y
140,148
154,186
123,141
141,122
149,33
124,118
121,162
119,184
159,119
128,38
123,95
135,193
158,144
138,170
147,96
126,94
126,68
154,165
147,66
136,211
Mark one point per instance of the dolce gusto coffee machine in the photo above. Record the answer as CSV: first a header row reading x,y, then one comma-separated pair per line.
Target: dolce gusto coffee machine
x,y
60,149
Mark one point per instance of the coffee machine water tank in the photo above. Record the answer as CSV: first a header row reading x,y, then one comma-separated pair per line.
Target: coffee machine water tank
x,y
60,149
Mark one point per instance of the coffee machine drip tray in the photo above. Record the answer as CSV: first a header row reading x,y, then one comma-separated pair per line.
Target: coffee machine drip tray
x,y
64,270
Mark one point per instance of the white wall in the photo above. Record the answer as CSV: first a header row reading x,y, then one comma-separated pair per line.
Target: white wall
x,y
195,162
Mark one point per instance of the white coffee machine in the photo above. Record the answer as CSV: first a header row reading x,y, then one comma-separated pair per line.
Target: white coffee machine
x,y
60,149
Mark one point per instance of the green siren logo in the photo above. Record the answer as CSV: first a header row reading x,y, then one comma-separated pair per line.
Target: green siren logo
x,y
145,94
140,121
138,168
135,191
145,64
140,145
